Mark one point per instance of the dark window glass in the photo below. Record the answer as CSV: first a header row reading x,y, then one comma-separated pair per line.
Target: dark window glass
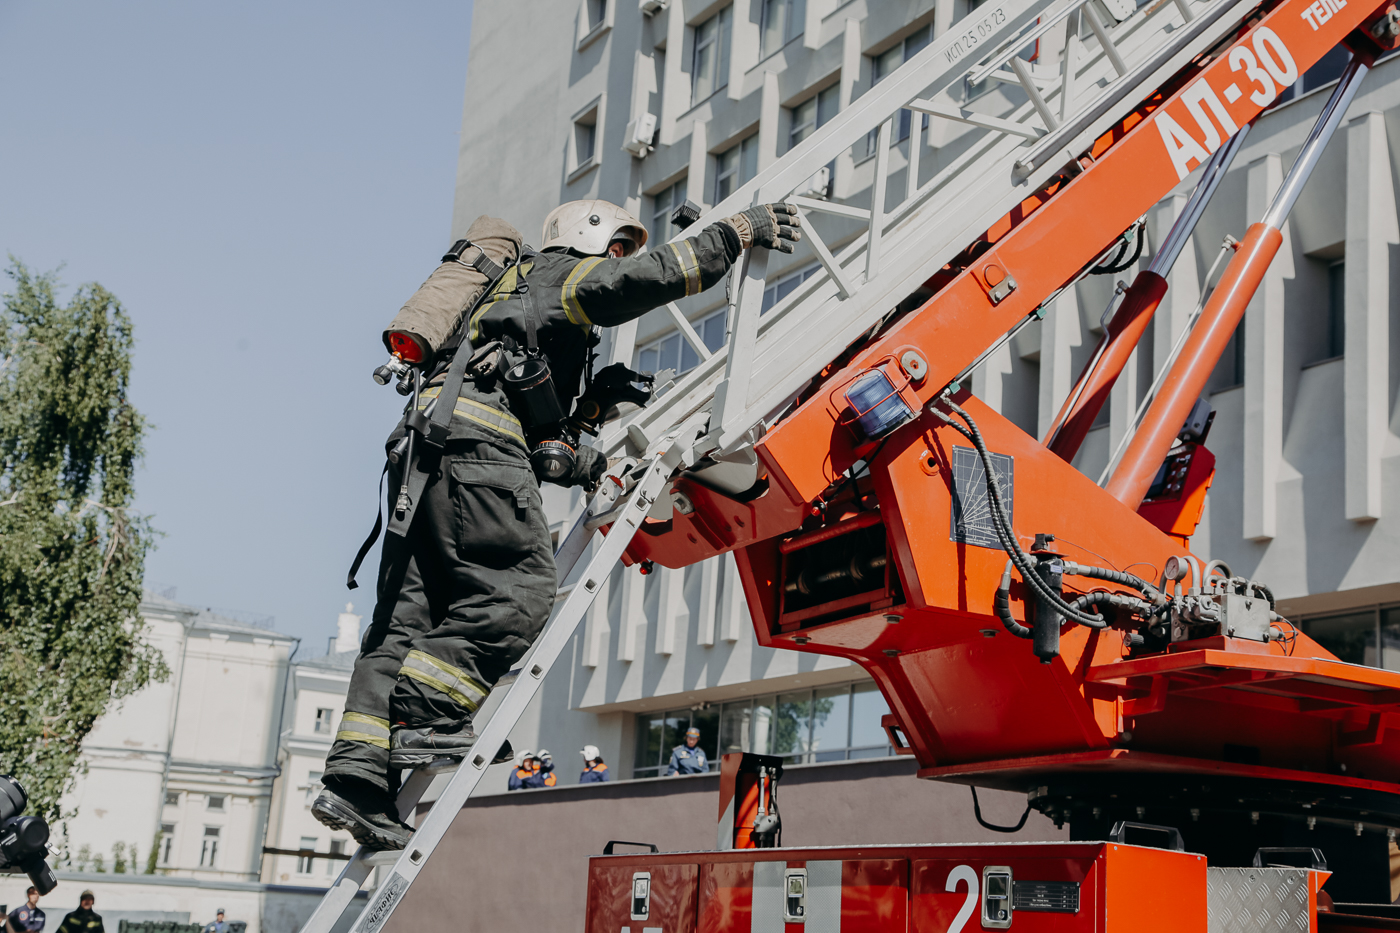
x,y
1352,637
1336,309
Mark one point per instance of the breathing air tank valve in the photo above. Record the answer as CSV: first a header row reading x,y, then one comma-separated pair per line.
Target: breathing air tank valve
x,y
1045,633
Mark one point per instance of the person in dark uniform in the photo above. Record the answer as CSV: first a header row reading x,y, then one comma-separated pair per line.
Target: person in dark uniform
x,y
688,758
544,768
595,771
526,774
466,590
84,919
218,924
27,917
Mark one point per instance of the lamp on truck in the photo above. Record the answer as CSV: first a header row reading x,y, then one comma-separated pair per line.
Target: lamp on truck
x,y
877,406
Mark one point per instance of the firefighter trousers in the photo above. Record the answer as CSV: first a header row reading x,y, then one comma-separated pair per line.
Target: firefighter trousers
x,y
460,599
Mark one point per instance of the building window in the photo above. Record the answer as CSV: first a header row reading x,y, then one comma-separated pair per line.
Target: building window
x,y
597,12
709,66
1337,309
585,138
209,852
167,842
813,113
305,863
324,719
337,848
734,166
675,352
837,723
884,65
172,798
782,21
662,204
783,287
1369,636
214,802
313,786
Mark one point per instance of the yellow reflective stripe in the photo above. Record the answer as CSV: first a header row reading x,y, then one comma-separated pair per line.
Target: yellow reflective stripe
x,y
568,295
504,289
345,735
361,727
443,677
690,269
474,411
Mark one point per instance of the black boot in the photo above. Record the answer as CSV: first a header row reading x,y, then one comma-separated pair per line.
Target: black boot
x,y
418,747
363,810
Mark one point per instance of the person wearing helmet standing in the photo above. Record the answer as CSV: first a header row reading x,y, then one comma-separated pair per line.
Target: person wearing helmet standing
x,y
469,585
595,770
688,758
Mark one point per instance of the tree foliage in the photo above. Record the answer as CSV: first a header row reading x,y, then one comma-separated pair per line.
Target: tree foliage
x,y
71,551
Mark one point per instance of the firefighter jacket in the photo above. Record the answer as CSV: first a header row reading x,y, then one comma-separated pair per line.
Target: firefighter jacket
x,y
82,920
596,774
572,295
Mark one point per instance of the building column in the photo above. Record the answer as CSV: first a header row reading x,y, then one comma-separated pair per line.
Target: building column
x,y
596,628
744,44
1060,333
632,621
850,74
769,115
709,571
1372,231
699,161
1263,365
675,90
1183,284
988,379
672,614
736,608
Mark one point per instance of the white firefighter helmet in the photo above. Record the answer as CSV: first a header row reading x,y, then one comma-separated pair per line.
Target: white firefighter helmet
x,y
523,756
587,227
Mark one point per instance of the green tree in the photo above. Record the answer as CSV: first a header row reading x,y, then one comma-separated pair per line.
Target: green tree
x,y
71,551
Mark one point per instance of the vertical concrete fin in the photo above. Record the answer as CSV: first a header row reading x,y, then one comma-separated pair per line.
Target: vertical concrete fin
x,y
699,160
709,571
1263,365
1371,234
769,113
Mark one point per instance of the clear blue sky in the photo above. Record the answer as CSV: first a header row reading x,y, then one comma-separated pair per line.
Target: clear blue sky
x,y
261,185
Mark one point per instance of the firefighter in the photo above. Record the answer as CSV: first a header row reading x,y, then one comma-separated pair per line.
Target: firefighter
x,y
84,919
470,584
690,757
544,768
27,917
526,774
595,771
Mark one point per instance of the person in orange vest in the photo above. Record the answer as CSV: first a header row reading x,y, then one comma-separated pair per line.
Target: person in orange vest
x,y
523,776
595,771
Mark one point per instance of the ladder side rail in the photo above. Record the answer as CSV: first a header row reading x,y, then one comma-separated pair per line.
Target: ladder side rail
x,y
342,891
547,650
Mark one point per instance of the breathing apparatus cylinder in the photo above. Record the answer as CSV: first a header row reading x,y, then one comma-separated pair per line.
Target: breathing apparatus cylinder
x,y
434,312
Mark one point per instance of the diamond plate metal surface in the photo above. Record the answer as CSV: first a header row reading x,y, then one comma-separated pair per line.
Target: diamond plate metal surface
x,y
1257,900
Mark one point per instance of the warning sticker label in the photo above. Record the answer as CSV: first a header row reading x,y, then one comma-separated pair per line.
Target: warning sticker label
x,y
972,516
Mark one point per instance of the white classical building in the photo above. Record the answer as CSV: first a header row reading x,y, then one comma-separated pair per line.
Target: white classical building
x,y
315,702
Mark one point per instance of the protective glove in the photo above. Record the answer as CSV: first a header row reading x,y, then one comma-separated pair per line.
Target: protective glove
x,y
774,226
589,467
545,756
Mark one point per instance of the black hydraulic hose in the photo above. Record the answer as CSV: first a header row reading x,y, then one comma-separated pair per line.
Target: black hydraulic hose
x,y
977,812
1115,266
1265,592
1002,604
1112,576
1116,600
1023,561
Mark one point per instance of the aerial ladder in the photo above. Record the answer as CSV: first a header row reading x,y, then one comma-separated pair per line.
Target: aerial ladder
x,y
1030,629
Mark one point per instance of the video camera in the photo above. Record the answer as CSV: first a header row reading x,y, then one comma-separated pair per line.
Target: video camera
x,y
24,840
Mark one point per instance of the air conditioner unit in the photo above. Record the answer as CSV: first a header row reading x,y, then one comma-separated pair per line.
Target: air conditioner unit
x,y
640,131
818,186
649,7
